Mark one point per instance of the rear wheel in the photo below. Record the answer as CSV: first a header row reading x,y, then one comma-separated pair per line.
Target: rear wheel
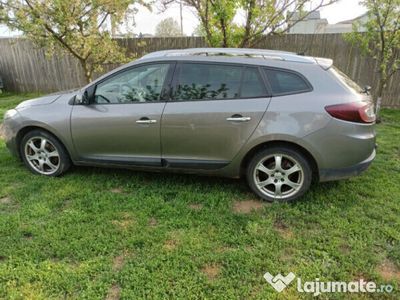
x,y
43,154
279,174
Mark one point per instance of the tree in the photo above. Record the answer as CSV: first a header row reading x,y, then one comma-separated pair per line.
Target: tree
x,y
198,31
381,39
261,17
78,27
168,27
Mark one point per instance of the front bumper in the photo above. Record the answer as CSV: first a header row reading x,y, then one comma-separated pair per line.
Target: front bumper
x,y
343,173
10,130
12,147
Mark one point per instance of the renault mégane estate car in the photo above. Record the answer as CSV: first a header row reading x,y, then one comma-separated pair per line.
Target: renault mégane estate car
x,y
276,118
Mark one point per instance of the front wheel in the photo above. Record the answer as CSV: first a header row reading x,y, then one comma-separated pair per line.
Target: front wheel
x,y
279,174
43,154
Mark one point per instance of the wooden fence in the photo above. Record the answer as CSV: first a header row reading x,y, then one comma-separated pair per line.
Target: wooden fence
x,y
25,68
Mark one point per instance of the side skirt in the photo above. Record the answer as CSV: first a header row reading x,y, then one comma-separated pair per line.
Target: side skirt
x,y
157,163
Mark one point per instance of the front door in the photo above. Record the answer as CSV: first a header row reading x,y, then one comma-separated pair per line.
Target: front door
x,y
122,125
214,111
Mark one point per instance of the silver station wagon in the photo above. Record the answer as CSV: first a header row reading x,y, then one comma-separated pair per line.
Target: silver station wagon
x,y
276,118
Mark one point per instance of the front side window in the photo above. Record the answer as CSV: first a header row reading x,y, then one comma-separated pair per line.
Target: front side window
x,y
140,84
207,82
284,82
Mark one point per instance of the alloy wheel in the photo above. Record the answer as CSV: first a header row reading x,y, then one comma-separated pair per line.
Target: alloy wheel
x,y
279,176
42,155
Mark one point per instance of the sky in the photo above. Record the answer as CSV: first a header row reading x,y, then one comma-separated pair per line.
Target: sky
x,y
147,21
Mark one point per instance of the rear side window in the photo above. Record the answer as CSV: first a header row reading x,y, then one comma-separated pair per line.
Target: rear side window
x,y
252,84
207,81
285,82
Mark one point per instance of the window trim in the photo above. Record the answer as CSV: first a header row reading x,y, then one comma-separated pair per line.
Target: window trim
x,y
165,90
262,80
179,64
310,87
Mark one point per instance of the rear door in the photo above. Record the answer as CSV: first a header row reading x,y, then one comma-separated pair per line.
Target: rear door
x,y
214,110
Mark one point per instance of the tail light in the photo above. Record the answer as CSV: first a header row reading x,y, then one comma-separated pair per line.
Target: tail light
x,y
360,112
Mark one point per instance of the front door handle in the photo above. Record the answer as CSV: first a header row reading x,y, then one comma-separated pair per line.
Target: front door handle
x,y
146,120
238,118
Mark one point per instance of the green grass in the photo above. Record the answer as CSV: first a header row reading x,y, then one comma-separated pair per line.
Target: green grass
x,y
134,235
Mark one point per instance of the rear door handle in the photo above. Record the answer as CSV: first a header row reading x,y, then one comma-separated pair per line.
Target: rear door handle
x,y
146,121
238,119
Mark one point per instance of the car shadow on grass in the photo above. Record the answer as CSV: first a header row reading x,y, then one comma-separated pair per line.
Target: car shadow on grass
x,y
174,182
121,175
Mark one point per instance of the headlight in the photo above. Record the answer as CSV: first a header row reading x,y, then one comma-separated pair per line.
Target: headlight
x,y
10,113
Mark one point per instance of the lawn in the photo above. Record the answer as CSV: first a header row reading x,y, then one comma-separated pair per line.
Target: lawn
x,y
120,234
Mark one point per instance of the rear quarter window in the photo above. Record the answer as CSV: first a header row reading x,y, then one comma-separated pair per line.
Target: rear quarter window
x,y
284,82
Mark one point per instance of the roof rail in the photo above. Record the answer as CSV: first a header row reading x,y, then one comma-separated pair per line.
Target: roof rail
x,y
256,53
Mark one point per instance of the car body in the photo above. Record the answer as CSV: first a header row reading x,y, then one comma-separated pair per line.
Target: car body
x,y
209,111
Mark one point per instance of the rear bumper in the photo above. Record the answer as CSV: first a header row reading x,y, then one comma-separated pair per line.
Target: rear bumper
x,y
343,173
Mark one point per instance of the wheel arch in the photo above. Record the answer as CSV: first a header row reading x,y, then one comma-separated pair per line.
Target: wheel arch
x,y
24,130
282,143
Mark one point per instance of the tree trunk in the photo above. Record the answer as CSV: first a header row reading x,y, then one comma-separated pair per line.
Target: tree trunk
x,y
224,33
379,94
247,29
381,87
87,71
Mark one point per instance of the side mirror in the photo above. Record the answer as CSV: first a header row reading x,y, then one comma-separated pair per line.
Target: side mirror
x,y
82,98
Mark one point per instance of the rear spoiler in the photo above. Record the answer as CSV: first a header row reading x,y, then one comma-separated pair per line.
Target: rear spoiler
x,y
324,63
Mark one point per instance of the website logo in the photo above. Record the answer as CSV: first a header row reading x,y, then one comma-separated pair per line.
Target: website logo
x,y
279,282
317,287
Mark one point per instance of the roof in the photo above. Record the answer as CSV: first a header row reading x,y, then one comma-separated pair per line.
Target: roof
x,y
313,15
351,21
244,52
243,55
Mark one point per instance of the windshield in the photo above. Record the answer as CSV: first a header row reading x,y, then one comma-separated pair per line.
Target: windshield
x,y
346,80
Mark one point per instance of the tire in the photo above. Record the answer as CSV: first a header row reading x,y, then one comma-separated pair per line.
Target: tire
x,y
49,158
265,177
